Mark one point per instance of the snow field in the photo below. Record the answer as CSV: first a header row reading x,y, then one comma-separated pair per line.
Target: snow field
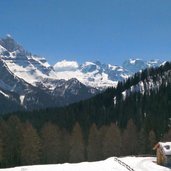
x,y
137,163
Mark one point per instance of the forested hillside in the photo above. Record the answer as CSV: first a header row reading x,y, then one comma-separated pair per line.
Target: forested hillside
x,y
125,120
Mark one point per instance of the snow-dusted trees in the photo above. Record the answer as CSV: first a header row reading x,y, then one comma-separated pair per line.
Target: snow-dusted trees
x,y
30,145
77,147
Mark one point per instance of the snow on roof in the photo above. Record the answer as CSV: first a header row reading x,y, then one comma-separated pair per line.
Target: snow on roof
x,y
166,147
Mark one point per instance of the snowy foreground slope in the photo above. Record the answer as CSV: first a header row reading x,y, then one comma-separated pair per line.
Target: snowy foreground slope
x,y
136,163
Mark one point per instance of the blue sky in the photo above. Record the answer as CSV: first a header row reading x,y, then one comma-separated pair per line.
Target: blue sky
x,y
110,31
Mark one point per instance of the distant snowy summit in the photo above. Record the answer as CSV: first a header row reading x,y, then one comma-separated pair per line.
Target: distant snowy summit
x,y
96,74
36,70
92,74
135,65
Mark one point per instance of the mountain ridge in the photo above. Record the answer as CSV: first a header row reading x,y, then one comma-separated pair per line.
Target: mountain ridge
x,y
99,75
40,85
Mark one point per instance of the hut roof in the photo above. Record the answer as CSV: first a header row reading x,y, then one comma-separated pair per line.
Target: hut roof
x,y
166,147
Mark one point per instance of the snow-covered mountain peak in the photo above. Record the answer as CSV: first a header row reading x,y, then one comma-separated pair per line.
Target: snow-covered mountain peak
x,y
8,35
2,49
92,74
23,64
133,61
98,75
10,44
154,63
35,70
89,67
135,65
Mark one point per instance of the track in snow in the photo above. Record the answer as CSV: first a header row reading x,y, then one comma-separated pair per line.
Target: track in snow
x,y
124,164
111,164
143,164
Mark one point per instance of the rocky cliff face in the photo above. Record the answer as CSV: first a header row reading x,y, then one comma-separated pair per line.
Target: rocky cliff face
x,y
29,82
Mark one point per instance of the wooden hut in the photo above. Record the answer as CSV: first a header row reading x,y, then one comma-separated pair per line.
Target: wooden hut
x,y
163,152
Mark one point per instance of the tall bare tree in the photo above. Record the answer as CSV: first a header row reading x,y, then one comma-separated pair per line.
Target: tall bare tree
x,y
30,145
12,142
52,143
77,147
130,139
112,143
93,148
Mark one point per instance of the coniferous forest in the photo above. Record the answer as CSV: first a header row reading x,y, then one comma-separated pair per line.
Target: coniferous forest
x,y
126,120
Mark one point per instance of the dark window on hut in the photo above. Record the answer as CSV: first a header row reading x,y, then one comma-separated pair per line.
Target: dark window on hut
x,y
167,147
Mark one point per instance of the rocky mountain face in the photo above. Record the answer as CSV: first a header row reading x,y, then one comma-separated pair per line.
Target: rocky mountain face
x,y
28,82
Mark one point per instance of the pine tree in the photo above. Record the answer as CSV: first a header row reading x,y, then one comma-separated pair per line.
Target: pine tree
x,y
77,148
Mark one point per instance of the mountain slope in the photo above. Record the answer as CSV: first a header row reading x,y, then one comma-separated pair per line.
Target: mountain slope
x,y
32,79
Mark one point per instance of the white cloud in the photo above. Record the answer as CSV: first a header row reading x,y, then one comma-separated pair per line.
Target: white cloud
x,y
66,66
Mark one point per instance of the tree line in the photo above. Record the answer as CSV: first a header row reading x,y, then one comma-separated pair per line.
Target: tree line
x,y
93,129
22,144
